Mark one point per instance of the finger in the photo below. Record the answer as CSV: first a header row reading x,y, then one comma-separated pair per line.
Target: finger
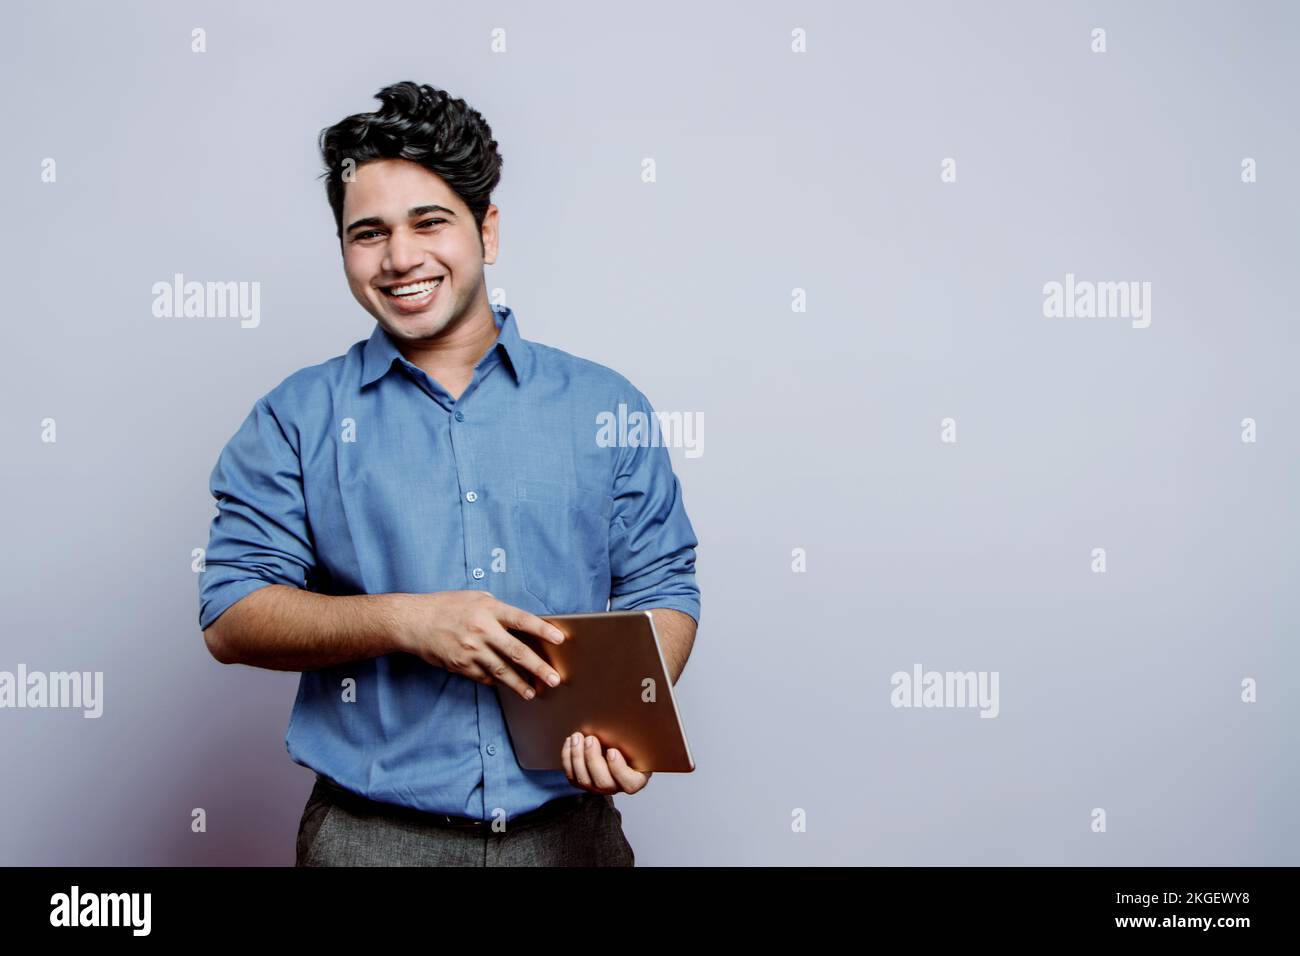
x,y
598,768
503,673
576,748
521,655
521,620
474,673
566,758
629,780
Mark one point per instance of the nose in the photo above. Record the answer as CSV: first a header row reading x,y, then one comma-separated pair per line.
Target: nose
x,y
403,253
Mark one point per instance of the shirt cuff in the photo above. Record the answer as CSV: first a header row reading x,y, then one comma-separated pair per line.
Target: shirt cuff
x,y
220,597
686,605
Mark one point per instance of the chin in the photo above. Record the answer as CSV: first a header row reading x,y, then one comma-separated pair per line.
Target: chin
x,y
412,327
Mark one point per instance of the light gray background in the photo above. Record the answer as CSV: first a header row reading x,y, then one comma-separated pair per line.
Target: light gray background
x,y
775,171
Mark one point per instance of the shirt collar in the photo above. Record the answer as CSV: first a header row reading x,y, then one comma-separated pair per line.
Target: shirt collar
x,y
379,352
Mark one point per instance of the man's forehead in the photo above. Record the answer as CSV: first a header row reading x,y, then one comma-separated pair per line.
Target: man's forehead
x,y
405,186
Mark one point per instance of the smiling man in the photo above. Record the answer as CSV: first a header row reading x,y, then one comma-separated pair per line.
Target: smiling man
x,y
385,516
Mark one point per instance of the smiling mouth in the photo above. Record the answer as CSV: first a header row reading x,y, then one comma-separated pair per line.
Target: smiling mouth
x,y
413,290
412,297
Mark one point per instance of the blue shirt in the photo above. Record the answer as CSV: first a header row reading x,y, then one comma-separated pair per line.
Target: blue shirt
x,y
362,475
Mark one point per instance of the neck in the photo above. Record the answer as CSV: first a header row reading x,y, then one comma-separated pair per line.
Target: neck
x,y
454,351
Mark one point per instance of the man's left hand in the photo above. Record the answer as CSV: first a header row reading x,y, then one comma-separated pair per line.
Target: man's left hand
x,y
589,766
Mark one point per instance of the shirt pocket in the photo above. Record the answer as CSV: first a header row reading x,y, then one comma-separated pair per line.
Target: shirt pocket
x,y
563,535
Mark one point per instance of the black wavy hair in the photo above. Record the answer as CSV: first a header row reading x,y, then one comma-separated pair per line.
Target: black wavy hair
x,y
427,126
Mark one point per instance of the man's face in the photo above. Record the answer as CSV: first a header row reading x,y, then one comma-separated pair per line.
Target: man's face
x,y
404,228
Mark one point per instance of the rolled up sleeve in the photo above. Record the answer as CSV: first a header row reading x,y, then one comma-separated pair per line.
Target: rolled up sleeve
x,y
260,534
652,544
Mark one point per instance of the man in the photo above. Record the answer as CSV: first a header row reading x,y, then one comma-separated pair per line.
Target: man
x,y
385,516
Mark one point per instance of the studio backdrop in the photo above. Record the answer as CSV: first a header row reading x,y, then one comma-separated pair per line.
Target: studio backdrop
x,y
980,321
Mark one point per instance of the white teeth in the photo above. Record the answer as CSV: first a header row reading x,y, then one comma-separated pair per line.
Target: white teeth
x,y
415,288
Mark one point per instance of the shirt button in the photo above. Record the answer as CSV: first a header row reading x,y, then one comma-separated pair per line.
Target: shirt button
x,y
478,572
471,496
492,750
460,416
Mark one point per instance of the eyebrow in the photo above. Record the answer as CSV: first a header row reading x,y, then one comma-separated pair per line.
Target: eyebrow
x,y
411,213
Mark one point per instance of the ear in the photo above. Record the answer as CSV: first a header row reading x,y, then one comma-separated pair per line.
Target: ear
x,y
490,234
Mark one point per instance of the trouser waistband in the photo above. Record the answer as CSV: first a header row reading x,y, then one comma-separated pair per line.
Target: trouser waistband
x,y
356,803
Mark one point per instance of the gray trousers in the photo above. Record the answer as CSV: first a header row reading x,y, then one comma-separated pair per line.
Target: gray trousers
x,y
343,833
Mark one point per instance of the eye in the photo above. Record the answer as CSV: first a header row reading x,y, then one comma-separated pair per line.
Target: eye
x,y
429,221
361,235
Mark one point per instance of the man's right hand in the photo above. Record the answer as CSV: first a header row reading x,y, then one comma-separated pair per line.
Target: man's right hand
x,y
465,633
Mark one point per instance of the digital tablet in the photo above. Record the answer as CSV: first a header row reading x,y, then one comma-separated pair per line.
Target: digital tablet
x,y
613,685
